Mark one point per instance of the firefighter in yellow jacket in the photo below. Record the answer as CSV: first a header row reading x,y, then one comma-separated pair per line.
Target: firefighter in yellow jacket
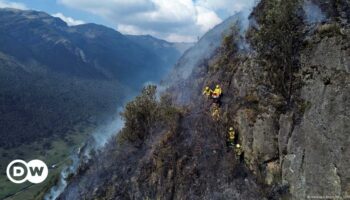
x,y
207,92
239,153
238,150
216,95
231,137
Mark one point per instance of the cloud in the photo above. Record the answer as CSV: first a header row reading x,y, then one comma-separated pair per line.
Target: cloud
x,y
175,20
70,21
206,19
228,6
7,4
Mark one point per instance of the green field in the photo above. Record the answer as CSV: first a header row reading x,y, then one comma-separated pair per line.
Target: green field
x,y
53,152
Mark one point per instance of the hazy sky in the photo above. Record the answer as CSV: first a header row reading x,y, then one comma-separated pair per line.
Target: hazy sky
x,y
172,20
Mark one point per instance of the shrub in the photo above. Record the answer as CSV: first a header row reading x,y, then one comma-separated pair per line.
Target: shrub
x,y
145,113
277,41
139,114
229,46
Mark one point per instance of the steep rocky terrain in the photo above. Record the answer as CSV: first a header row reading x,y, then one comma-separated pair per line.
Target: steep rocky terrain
x,y
202,50
286,92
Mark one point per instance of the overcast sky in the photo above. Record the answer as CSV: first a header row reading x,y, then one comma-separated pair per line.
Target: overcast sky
x,y
172,20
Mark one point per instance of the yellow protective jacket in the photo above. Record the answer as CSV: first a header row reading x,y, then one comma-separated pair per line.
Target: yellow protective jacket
x,y
238,151
217,92
231,135
207,92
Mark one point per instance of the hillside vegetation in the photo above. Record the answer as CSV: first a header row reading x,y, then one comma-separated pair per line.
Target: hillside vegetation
x,y
285,85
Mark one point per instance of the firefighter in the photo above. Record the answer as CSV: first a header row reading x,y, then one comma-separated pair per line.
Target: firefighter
x,y
207,92
216,95
239,153
231,137
238,150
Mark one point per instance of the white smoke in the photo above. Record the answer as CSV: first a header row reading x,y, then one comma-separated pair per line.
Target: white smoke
x,y
104,134
205,47
97,141
56,190
313,13
161,88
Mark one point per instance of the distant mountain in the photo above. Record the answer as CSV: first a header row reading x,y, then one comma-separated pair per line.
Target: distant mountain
x,y
89,50
165,50
53,76
160,46
183,46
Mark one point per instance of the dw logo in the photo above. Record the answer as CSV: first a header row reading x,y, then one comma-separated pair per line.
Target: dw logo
x,y
35,171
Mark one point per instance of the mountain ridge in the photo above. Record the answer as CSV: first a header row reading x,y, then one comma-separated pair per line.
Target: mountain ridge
x,y
88,69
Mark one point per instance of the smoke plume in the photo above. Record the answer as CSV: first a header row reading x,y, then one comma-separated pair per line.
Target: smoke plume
x,y
313,13
82,155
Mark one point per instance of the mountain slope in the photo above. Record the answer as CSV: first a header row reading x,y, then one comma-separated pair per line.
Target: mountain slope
x,y
89,50
286,95
203,49
162,48
54,76
168,152
199,54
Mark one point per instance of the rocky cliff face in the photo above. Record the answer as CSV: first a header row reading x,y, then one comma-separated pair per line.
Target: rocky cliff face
x,y
304,147
290,110
316,158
